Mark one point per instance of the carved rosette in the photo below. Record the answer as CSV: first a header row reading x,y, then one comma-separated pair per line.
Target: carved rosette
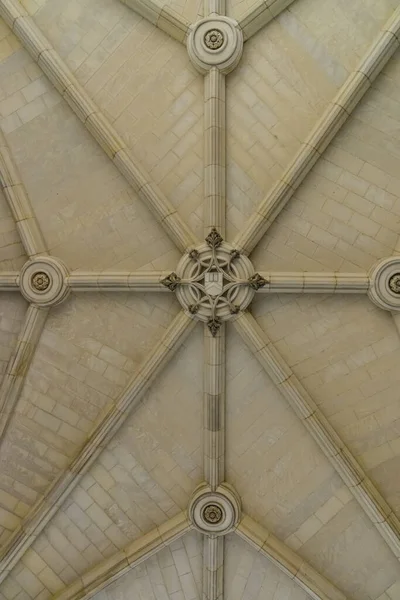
x,y
384,288
44,281
214,513
216,41
214,282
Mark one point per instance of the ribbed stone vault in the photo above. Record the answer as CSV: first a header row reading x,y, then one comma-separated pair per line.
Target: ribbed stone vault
x,y
215,285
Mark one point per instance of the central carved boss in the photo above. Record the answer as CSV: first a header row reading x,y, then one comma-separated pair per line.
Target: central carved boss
x,y
214,282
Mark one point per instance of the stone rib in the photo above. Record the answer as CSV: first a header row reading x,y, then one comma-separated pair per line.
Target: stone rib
x,y
257,17
162,17
111,569
321,136
101,129
213,568
362,488
19,363
136,281
315,283
19,203
214,152
9,281
288,561
98,439
214,407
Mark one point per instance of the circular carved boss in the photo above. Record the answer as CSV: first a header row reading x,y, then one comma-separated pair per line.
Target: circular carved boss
x,y
215,513
384,288
43,281
215,42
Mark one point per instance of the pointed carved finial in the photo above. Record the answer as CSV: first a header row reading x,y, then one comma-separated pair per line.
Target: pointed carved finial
x,y
213,325
171,281
256,281
214,238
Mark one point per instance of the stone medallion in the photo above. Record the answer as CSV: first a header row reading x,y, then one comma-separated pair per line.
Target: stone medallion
x,y
43,281
384,288
214,282
215,513
215,42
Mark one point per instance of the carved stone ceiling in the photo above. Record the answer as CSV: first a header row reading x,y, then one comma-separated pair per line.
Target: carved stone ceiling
x,y
199,300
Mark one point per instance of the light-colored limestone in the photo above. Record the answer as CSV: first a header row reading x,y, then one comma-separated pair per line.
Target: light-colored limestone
x,y
257,17
19,364
59,74
323,433
122,562
318,140
214,407
140,281
163,17
288,561
101,434
315,283
18,201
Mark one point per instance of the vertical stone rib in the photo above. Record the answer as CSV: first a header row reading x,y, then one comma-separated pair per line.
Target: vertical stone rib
x,y
214,7
353,475
213,571
214,151
19,203
19,364
214,407
321,136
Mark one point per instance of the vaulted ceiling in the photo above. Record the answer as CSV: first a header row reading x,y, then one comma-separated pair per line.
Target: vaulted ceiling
x,y
199,300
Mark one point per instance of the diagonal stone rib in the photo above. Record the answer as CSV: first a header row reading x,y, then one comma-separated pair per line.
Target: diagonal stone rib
x,y
321,136
108,281
162,17
101,129
288,561
214,151
315,283
259,16
213,568
19,203
214,407
19,363
121,562
362,488
98,439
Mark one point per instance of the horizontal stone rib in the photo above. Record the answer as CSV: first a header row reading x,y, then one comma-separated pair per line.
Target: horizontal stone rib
x,y
321,136
288,561
98,125
362,488
139,281
98,439
121,562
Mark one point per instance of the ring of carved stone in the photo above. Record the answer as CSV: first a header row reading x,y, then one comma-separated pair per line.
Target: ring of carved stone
x,y
384,288
214,513
215,42
43,281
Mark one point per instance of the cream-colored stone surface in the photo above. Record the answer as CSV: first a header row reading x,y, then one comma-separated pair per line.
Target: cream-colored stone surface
x,y
78,369
345,352
345,215
343,349
250,575
289,72
157,109
174,574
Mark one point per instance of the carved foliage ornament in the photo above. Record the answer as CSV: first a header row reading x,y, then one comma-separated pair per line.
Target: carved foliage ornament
x,y
214,39
214,282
